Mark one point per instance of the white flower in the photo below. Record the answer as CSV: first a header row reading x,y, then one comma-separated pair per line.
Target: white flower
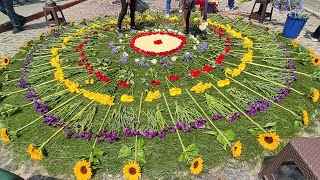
x,y
192,36
153,61
120,40
174,58
203,27
195,47
136,60
175,31
198,42
125,54
147,30
126,35
206,23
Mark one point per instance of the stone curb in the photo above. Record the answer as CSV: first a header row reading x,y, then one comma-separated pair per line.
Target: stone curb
x,y
313,13
8,26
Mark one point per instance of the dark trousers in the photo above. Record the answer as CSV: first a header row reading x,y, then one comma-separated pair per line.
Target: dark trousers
x,y
124,9
316,33
6,7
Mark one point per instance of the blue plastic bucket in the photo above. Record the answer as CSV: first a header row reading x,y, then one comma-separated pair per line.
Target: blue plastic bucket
x,y
293,26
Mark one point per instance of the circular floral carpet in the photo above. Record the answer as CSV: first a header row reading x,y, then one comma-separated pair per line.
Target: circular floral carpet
x,y
155,102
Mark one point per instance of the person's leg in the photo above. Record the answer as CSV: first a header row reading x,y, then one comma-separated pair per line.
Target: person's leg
x,y
204,10
231,4
14,18
186,20
316,33
124,7
132,13
168,4
2,9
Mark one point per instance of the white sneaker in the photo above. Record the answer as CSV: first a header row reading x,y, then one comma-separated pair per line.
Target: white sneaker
x,y
312,38
227,9
180,10
167,15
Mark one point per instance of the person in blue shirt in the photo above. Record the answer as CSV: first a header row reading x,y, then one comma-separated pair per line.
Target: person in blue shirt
x,y
17,21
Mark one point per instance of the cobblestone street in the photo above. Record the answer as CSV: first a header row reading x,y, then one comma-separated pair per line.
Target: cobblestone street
x,y
9,44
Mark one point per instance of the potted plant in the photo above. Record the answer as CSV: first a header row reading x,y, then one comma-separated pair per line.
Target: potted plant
x,y
296,19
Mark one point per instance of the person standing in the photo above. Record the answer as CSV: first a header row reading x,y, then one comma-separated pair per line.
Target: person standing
x,y
17,21
124,8
168,7
230,6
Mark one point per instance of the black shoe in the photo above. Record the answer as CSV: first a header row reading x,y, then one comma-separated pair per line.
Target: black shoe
x,y
203,37
135,28
15,31
186,32
119,30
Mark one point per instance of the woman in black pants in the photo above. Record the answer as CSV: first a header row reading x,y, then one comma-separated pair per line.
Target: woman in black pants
x,y
124,8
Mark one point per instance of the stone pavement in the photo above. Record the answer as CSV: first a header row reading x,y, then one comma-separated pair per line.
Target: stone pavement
x,y
9,44
33,7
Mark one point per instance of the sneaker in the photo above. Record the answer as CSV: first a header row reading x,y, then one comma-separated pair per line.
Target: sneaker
x,y
313,38
15,31
180,10
227,9
167,15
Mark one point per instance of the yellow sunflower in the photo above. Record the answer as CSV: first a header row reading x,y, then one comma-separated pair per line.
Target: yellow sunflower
x,y
36,154
316,60
269,141
82,170
315,95
5,61
131,171
236,149
4,135
305,117
311,52
295,43
196,166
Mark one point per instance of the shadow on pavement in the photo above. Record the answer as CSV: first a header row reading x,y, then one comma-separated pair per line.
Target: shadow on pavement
x,y
40,25
39,177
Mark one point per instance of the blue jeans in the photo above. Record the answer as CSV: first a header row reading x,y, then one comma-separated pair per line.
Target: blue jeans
x,y
6,7
231,4
168,4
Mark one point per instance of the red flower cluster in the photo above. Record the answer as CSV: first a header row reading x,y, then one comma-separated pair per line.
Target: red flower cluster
x,y
227,49
207,68
103,77
173,77
151,53
220,59
80,46
157,42
155,83
122,83
195,73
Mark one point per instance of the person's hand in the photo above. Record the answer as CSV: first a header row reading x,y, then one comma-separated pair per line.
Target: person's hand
x,y
128,1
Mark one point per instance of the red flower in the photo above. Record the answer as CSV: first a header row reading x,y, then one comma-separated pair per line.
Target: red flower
x,y
84,59
86,36
221,34
127,85
227,48
207,68
94,33
122,83
228,40
155,83
157,42
195,73
79,48
220,58
220,29
173,77
91,70
105,79
98,75
82,54
80,63
87,65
